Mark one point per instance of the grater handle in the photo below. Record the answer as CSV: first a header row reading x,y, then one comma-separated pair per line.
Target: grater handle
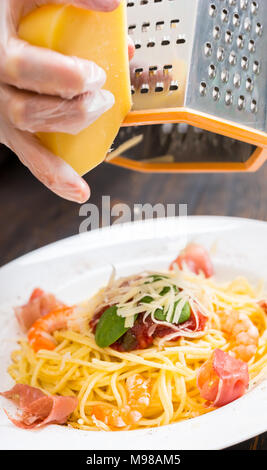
x,y
255,161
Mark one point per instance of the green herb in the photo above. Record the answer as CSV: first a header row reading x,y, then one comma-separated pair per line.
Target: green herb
x,y
184,316
146,300
110,328
160,315
155,278
165,290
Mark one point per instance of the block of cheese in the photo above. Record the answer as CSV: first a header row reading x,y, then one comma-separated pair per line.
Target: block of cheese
x,y
102,38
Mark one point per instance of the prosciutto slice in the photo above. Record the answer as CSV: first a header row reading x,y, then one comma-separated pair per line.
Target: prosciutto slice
x,y
196,258
37,409
222,379
263,305
39,304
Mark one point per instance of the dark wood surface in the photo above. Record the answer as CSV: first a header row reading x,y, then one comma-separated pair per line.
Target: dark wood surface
x,y
31,216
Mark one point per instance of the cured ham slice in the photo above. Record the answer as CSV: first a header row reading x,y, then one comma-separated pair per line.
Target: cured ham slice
x,y
196,258
263,305
39,304
37,409
222,379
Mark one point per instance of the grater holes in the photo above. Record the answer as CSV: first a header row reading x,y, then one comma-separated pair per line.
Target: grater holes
x,y
232,3
173,85
254,106
259,29
159,87
203,89
236,20
249,84
244,63
216,93
220,54
228,98
145,27
159,25
153,68
212,71
232,58
224,15
137,45
216,32
130,4
228,37
144,88
208,49
131,28
213,10
143,2
256,67
241,103
251,46
165,41
180,40
240,41
138,71
151,43
174,23
167,67
254,8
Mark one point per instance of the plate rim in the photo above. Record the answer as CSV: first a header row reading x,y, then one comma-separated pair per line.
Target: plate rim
x,y
107,229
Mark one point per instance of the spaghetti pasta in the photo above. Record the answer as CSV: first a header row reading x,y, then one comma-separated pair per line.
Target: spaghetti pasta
x,y
168,367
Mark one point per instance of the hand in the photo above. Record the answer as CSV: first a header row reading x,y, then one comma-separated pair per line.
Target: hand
x,y
44,91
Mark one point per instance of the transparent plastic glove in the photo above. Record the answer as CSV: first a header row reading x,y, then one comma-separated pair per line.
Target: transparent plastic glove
x,y
42,90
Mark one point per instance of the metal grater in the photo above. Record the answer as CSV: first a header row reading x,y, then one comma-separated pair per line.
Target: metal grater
x,y
201,62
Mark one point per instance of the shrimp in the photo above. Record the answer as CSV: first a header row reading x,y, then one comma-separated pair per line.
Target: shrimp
x,y
138,399
242,332
39,335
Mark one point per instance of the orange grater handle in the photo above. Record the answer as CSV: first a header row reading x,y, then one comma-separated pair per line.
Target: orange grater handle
x,y
255,161
206,122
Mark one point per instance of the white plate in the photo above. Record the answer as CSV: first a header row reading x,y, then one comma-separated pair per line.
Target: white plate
x,y
76,267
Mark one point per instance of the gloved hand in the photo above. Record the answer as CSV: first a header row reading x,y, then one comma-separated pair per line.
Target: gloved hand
x,y
42,90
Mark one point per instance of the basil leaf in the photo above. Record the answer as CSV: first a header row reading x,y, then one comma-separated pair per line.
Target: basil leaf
x,y
165,290
185,313
110,327
146,300
155,278
160,315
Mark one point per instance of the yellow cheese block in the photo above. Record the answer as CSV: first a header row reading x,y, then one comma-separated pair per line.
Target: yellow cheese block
x,y
102,38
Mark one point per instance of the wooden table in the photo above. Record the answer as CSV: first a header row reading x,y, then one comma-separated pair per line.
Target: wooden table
x,y
31,216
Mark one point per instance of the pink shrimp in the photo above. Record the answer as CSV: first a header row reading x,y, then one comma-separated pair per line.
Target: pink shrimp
x,y
242,332
39,335
138,399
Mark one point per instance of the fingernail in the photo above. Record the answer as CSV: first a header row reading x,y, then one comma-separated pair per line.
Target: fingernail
x,y
104,5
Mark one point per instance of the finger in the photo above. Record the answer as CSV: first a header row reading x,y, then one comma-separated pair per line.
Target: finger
x,y
48,72
39,113
131,48
50,169
98,5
